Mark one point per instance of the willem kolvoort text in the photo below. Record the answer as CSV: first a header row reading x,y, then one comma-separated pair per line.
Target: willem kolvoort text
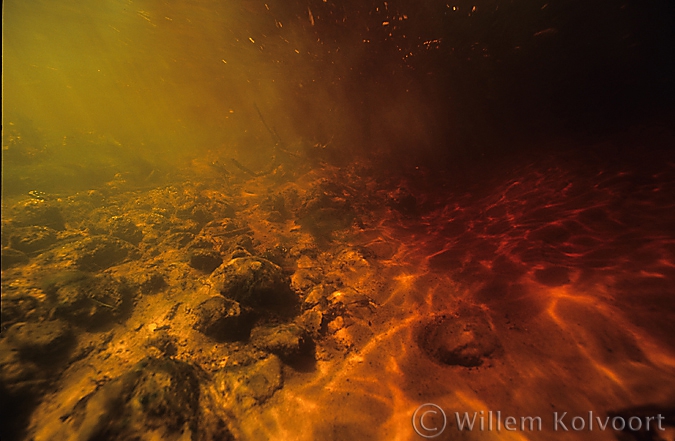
x,y
562,421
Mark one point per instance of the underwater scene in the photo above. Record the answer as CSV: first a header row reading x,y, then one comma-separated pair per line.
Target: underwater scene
x,y
338,220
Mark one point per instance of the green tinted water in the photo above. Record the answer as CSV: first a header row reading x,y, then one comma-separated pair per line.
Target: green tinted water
x,y
114,86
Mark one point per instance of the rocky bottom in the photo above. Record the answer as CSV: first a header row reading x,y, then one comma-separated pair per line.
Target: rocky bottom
x,y
330,303
167,313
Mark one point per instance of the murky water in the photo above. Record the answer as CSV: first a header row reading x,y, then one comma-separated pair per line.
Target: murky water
x,y
303,220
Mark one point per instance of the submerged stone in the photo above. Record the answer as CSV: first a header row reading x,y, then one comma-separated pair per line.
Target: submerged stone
x,y
464,340
100,252
253,281
205,260
12,257
33,238
89,301
251,384
286,341
39,212
155,399
125,229
223,319
41,342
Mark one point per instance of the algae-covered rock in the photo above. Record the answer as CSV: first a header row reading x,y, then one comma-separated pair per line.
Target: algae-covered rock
x,y
165,343
205,260
41,342
125,229
287,341
223,319
12,257
39,212
100,252
248,385
150,282
155,399
463,340
325,209
32,238
253,281
22,383
90,301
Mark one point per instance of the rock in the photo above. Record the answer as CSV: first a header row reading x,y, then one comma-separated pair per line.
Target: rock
x,y
222,209
21,304
225,236
195,212
6,228
286,341
223,319
465,340
22,383
41,342
246,386
225,228
335,325
165,343
12,257
96,253
180,239
33,238
382,249
55,280
244,242
201,242
347,297
39,212
276,205
155,399
17,374
311,321
152,282
184,226
350,267
125,229
325,210
316,296
303,280
253,281
205,260
91,301
277,254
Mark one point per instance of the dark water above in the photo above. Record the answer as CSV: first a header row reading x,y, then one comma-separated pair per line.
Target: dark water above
x,y
132,86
